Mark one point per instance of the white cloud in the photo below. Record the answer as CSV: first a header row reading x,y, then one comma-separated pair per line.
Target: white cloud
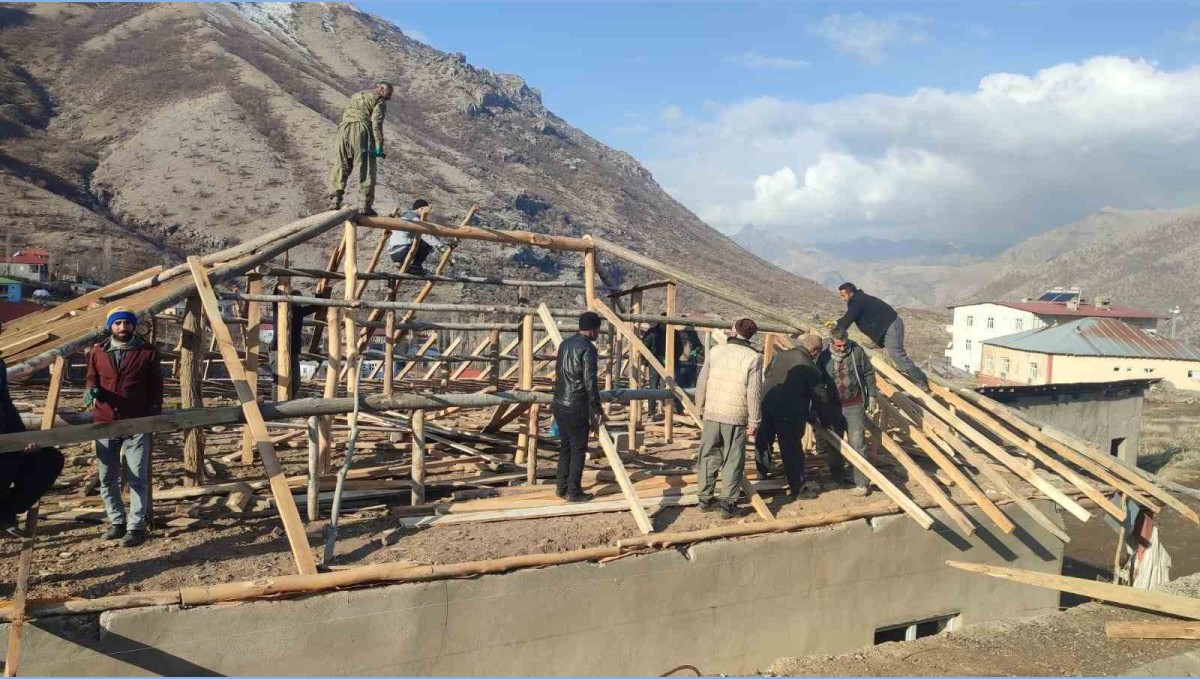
x,y
866,38
761,61
1016,155
671,114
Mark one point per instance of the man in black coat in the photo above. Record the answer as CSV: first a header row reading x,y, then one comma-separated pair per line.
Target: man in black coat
x,y
877,320
576,404
24,475
792,388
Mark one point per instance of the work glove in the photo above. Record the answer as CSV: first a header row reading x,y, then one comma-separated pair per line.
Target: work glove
x,y
830,324
91,396
378,152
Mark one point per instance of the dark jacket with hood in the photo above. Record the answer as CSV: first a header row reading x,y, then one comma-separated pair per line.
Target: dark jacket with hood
x,y
872,315
10,419
575,375
858,365
134,389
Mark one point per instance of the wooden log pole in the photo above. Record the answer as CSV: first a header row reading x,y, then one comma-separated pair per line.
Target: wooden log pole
x,y
283,351
333,368
389,353
1152,629
190,347
525,383
669,404
417,425
253,347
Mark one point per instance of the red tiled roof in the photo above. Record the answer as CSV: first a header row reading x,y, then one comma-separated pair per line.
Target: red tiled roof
x,y
10,311
1082,310
28,258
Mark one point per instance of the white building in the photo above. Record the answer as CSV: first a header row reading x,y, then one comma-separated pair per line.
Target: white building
x,y
973,324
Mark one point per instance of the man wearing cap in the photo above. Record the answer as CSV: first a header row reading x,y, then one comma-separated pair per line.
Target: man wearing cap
x,y
124,380
576,404
729,394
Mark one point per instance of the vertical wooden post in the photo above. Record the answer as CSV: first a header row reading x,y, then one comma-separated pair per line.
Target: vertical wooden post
x,y
635,376
417,424
525,381
12,656
768,349
350,262
332,372
253,330
283,351
190,346
389,352
532,440
589,276
669,404
314,472
495,364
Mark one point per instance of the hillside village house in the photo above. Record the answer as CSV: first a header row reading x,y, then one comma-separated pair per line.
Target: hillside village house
x,y
10,290
974,324
1088,350
30,263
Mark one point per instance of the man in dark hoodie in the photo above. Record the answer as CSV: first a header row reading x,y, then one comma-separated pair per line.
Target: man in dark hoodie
x,y
792,388
850,382
24,475
877,320
124,380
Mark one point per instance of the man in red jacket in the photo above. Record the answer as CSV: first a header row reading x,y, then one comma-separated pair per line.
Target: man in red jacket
x,y
124,380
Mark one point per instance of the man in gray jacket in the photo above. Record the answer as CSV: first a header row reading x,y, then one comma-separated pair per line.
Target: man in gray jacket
x,y
850,384
728,393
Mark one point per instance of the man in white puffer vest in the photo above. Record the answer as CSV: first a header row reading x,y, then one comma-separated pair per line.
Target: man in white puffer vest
x,y
728,392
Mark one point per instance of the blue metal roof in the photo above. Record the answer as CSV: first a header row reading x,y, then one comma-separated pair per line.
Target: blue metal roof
x,y
1097,337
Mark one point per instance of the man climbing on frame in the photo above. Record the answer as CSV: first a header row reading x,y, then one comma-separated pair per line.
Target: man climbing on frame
x,y
359,142
400,242
877,320
124,381
25,475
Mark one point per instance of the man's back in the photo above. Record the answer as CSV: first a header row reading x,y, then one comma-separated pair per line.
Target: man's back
x,y
872,315
792,381
360,106
575,373
729,389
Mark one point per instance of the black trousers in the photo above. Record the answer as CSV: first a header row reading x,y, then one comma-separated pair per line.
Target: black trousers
x,y
573,429
25,477
685,377
418,261
788,431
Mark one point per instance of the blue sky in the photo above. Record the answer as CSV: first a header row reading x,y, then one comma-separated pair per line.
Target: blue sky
x,y
719,99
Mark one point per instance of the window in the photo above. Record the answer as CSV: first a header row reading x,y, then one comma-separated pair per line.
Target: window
x,y
911,631
1116,446
991,322
970,320
1018,324
1148,370
968,345
1033,371
1005,364
1116,368
991,365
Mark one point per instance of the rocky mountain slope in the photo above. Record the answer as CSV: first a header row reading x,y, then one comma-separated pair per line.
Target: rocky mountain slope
x,y
175,128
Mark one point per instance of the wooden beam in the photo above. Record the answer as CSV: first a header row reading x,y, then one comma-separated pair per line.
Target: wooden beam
x,y
462,231
669,404
689,405
525,383
1150,600
589,276
931,487
292,525
1151,629
283,351
885,484
417,425
389,352
606,443
333,367
253,340
190,345
408,367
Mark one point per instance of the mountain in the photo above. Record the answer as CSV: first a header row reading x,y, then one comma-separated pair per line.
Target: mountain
x,y
167,129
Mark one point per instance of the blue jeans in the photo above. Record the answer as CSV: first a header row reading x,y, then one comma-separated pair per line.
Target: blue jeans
x,y
137,463
893,343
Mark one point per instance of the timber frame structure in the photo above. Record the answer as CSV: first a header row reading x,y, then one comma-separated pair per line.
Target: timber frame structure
x,y
949,439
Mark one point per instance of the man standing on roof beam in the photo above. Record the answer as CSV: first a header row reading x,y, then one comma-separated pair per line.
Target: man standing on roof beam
x,y
877,320
358,143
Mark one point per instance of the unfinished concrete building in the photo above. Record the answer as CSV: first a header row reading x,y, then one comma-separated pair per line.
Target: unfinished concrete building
x,y
390,520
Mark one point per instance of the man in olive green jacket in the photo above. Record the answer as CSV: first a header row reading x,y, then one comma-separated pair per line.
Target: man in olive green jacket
x,y
359,142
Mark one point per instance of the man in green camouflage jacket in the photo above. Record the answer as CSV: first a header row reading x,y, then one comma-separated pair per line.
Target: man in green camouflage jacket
x,y
359,142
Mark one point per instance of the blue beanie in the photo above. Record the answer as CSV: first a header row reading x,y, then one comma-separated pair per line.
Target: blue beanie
x,y
121,314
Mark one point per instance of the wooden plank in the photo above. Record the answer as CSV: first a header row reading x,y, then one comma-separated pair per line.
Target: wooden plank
x,y
589,276
389,353
593,507
23,344
333,366
931,487
325,289
669,405
1065,452
531,441
283,351
1151,629
290,516
448,351
689,405
525,383
408,367
885,484
42,318
1150,600
951,470
483,344
253,339
996,426
606,443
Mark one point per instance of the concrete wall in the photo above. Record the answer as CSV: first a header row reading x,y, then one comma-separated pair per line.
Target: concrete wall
x,y
1182,374
971,323
1094,416
728,607
992,372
